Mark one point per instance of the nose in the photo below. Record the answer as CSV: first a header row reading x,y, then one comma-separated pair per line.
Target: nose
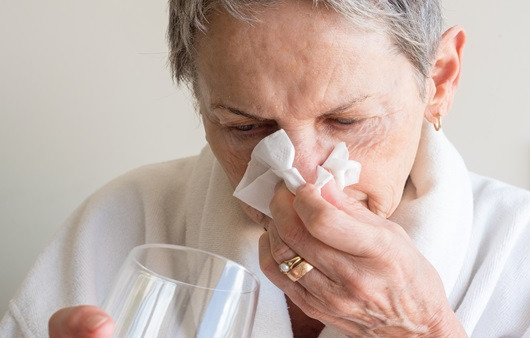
x,y
310,152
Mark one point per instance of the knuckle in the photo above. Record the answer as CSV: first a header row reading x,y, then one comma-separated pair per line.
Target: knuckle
x,y
310,306
317,218
320,223
397,229
378,242
281,252
311,312
293,233
384,243
339,306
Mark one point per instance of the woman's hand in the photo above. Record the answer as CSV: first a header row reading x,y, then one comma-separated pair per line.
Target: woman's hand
x,y
81,321
368,277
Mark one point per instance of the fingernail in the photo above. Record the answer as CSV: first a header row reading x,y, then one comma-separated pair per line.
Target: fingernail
x,y
95,322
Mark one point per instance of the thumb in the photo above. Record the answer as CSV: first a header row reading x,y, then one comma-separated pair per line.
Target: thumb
x,y
338,198
80,321
350,205
331,193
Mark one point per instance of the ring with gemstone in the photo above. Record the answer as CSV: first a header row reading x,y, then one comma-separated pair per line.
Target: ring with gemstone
x,y
289,264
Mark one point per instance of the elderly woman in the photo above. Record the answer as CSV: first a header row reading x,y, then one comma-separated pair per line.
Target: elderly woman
x,y
418,247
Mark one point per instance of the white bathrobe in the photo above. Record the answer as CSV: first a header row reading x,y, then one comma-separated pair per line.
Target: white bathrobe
x,y
475,231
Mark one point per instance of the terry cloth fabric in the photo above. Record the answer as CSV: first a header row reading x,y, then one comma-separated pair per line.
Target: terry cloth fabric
x,y
474,230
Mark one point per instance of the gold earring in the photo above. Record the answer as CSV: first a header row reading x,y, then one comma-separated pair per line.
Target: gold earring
x,y
438,123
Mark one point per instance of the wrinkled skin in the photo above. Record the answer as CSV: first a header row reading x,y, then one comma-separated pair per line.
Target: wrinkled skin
x,y
322,82
309,71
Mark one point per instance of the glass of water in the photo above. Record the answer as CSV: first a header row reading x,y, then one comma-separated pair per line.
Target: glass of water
x,y
174,291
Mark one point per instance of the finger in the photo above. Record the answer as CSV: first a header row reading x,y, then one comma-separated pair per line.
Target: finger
x,y
286,231
310,304
331,193
289,237
279,250
293,290
338,198
283,213
81,321
281,205
320,285
325,286
337,228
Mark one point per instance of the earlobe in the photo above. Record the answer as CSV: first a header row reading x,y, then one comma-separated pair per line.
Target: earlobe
x,y
445,73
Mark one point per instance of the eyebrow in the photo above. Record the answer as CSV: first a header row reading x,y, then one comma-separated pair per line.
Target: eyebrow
x,y
236,112
333,111
346,106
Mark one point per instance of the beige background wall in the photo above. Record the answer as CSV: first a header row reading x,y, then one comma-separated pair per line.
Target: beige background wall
x,y
85,95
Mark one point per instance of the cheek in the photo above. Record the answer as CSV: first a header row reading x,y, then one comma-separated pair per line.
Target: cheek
x,y
386,151
368,138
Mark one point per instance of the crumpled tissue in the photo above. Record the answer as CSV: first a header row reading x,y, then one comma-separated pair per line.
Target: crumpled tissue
x,y
272,161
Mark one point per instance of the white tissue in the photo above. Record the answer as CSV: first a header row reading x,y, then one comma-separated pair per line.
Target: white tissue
x,y
272,161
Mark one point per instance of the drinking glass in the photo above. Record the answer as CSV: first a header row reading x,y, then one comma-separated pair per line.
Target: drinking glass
x,y
174,291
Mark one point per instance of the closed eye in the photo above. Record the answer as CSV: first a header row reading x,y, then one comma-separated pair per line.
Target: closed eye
x,y
253,129
346,121
245,127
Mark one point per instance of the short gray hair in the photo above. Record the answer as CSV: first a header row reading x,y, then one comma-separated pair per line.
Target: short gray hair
x,y
415,26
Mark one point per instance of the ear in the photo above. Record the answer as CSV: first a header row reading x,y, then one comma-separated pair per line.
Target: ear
x,y
445,74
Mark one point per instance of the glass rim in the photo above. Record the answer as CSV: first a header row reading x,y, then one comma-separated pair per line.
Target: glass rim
x,y
133,256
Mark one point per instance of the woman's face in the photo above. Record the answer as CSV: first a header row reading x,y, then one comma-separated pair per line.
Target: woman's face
x,y
310,72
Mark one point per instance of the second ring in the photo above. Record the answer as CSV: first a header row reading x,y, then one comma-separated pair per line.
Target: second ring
x,y
295,268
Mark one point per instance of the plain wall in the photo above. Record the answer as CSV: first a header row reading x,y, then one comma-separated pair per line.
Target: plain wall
x,y
85,95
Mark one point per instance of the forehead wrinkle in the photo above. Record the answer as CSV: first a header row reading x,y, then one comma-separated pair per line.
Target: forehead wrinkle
x,y
286,75
327,86
272,39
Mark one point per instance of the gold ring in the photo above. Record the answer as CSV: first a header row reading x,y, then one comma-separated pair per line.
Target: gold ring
x,y
287,265
295,268
299,271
